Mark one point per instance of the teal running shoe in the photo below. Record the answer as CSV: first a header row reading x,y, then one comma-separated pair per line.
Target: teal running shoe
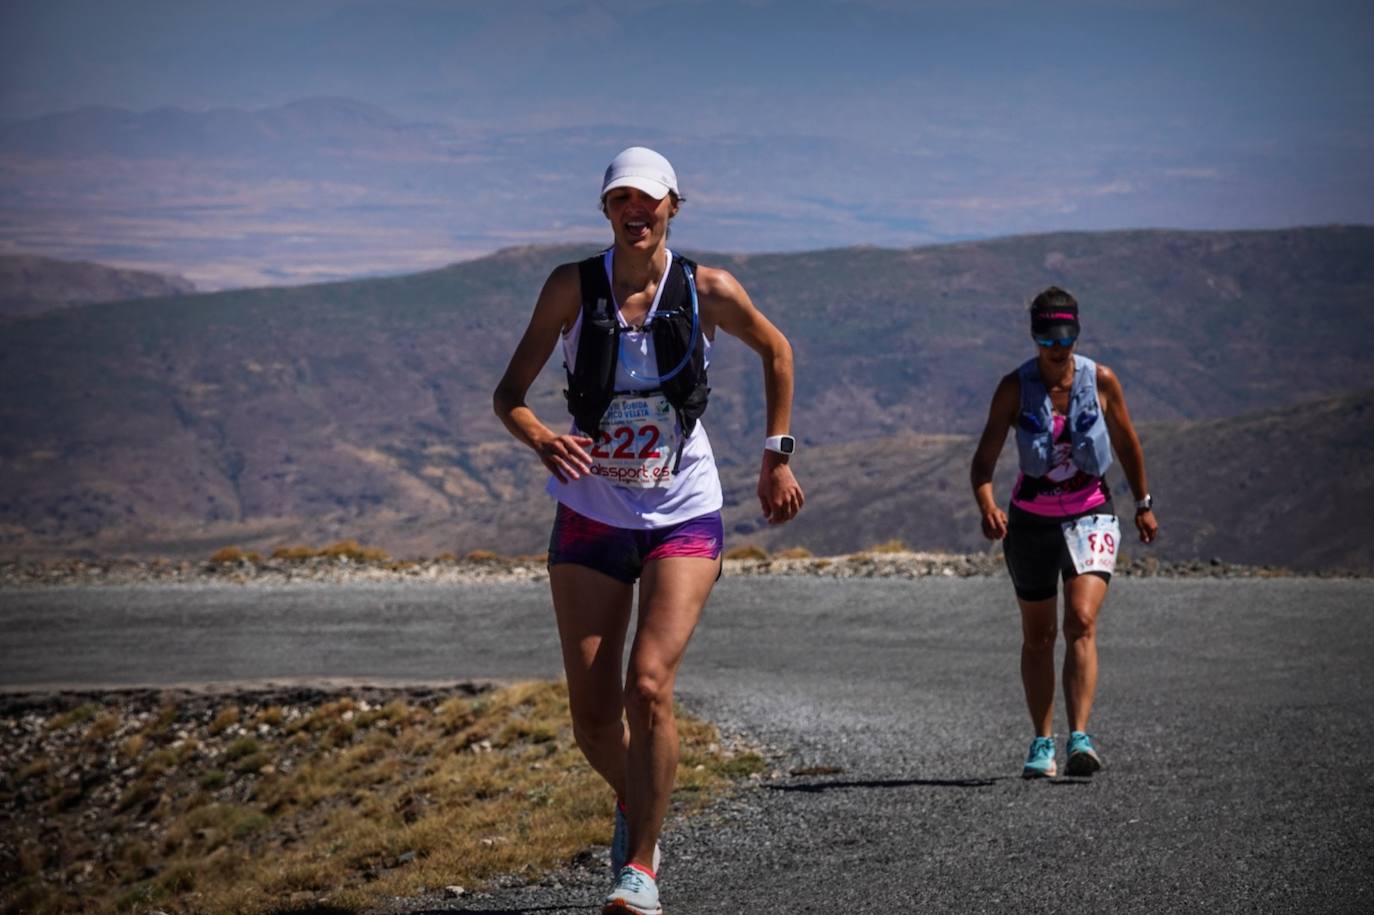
x,y
635,891
620,844
1040,759
1083,758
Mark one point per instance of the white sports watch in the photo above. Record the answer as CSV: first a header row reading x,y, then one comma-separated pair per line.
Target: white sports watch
x,y
1145,504
780,444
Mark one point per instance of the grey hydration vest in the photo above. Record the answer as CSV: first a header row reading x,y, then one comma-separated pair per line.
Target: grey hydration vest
x,y
1092,449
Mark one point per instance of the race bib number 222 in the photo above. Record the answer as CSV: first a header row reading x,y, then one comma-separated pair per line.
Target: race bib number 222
x,y
637,442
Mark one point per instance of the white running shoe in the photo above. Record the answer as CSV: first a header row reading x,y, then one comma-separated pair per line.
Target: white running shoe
x,y
635,892
620,845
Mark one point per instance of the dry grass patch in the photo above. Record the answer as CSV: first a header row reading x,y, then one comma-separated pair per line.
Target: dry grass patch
x,y
79,715
349,549
482,556
339,801
232,554
227,716
295,553
746,551
272,716
227,554
102,728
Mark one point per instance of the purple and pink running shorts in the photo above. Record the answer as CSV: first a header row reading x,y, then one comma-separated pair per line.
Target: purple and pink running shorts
x,y
621,552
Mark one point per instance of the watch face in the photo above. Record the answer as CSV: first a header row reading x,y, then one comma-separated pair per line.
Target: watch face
x,y
787,445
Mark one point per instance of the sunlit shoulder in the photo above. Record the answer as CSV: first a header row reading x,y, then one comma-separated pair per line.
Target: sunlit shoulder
x,y
723,299
718,283
1108,382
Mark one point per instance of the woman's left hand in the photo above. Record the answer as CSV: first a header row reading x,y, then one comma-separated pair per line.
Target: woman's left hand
x,y
780,495
1147,525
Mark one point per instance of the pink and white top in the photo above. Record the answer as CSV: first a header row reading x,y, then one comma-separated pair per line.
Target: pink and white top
x,y
1064,490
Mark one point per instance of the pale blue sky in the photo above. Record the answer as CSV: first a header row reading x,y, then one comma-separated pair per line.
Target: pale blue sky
x,y
792,124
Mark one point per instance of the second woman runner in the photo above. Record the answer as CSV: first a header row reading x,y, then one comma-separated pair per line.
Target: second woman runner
x,y
1069,414
636,484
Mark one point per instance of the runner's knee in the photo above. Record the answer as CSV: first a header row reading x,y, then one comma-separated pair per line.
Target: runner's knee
x,y
1079,623
1039,638
594,727
649,691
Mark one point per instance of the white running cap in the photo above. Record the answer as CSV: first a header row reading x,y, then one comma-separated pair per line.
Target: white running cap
x,y
642,168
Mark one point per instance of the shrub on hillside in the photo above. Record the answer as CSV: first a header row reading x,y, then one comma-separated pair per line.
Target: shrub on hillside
x,y
293,552
231,554
793,552
349,549
746,551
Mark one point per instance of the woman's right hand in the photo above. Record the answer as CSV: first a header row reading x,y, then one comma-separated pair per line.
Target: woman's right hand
x,y
995,524
565,457
1005,402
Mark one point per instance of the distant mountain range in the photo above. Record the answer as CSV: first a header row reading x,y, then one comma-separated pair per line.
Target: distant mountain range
x,y
32,285
177,425
327,189
316,189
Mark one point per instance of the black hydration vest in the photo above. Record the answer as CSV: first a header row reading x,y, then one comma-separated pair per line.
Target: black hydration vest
x,y
591,384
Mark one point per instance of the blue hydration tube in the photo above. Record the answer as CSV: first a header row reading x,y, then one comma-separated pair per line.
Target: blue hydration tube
x,y
691,342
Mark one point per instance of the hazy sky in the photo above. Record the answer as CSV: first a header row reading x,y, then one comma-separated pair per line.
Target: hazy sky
x,y
794,123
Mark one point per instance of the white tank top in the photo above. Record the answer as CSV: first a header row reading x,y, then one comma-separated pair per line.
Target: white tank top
x,y
694,489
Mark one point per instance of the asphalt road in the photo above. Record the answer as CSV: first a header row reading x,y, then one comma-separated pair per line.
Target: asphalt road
x,y
1236,719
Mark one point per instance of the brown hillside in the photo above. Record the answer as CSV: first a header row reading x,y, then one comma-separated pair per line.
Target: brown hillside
x,y
362,409
32,285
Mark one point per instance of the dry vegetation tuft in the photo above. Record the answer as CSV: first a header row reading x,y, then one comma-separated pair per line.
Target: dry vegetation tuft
x,y
481,556
232,554
295,552
343,549
261,805
746,551
349,549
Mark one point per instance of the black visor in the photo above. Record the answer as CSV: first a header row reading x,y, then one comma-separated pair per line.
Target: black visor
x,y
1054,330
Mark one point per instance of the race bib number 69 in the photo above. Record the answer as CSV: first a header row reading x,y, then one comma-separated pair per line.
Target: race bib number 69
x,y
1092,542
637,442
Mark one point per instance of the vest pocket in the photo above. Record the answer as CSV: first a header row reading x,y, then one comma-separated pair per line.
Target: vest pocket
x,y
1031,421
1086,419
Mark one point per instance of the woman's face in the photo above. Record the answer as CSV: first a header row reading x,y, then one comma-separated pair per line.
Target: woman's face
x,y
638,220
1058,354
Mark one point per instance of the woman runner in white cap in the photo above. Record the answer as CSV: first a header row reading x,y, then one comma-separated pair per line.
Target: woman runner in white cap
x,y
1069,414
636,484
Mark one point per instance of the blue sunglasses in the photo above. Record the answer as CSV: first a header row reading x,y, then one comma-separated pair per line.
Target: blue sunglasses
x,y
1066,342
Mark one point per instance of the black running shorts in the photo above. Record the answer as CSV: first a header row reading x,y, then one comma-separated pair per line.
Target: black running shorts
x,y
1037,556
